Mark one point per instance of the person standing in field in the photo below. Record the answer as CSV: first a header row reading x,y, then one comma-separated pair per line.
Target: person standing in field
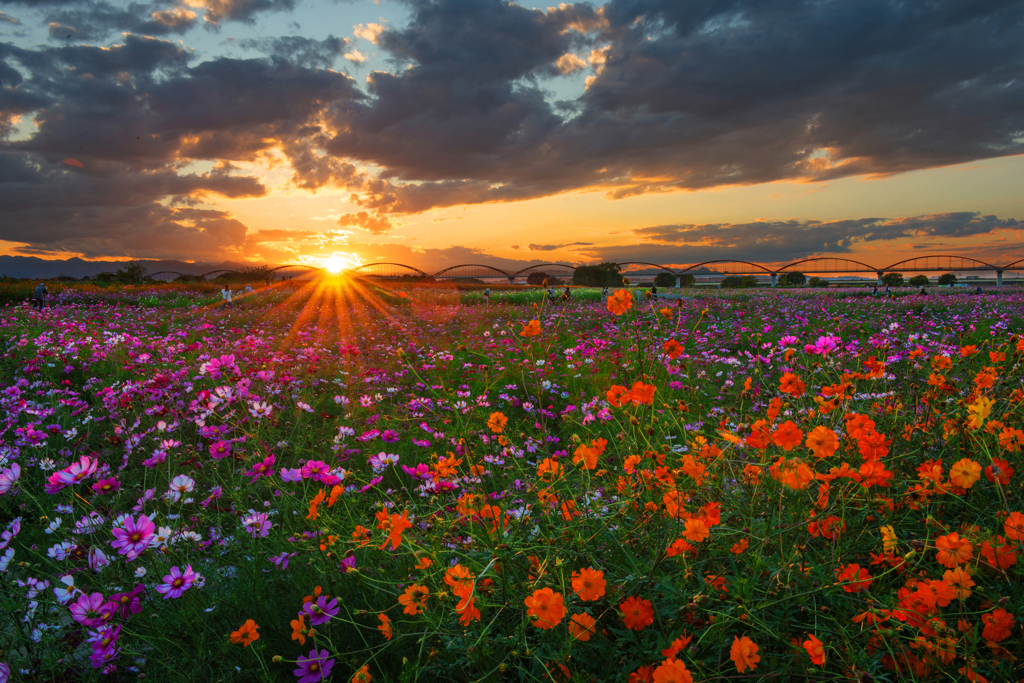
x,y
487,296
225,294
566,295
39,294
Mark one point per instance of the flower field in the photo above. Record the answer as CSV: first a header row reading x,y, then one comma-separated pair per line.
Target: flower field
x,y
348,482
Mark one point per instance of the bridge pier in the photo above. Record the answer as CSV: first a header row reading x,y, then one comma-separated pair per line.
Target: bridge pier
x,y
999,278
511,279
880,274
775,279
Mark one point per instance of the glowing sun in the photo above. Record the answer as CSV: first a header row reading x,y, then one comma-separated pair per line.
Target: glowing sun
x,y
338,262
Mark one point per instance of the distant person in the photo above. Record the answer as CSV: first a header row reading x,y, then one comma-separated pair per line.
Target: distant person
x,y
604,294
39,295
487,296
874,292
225,294
888,292
978,290
248,288
922,292
654,291
566,295
551,294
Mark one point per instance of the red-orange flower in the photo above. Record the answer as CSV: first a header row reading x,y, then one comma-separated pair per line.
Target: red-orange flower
x,y
362,676
581,626
999,554
788,436
696,530
546,607
414,598
315,503
531,329
815,649
744,653
549,469
998,625
246,633
953,550
497,421
854,578
792,385
672,671
1000,470
637,613
618,395
588,584
673,348
299,630
385,625
620,302
394,525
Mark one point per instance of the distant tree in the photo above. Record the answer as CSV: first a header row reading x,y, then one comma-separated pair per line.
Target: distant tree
x,y
134,273
665,280
739,282
919,281
255,273
793,278
536,278
749,282
687,280
817,282
947,279
892,279
601,275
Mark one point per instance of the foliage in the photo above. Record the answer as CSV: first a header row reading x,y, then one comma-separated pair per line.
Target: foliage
x,y
817,282
665,280
687,280
601,275
622,490
793,278
892,279
947,279
536,278
739,282
919,281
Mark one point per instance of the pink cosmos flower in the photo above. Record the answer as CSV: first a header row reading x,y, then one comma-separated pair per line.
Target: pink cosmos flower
x,y
91,610
219,366
105,486
72,474
9,477
177,582
219,450
257,524
260,469
134,537
314,468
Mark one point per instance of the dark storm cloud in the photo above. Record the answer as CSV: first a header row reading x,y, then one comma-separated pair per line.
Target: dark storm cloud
x,y
243,10
98,20
298,50
781,241
685,96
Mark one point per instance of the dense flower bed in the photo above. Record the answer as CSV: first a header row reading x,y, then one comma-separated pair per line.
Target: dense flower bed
x,y
363,484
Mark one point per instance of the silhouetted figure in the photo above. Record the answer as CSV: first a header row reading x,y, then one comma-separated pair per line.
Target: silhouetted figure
x,y
39,295
487,295
654,291
225,294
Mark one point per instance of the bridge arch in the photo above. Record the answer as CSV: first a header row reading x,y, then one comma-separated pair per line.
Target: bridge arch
x,y
1015,263
650,265
214,274
496,271
368,269
868,269
746,263
542,265
166,275
976,264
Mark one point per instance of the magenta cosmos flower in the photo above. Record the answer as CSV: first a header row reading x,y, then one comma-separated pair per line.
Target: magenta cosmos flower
x,y
316,667
134,537
91,610
72,474
9,477
260,469
177,582
321,611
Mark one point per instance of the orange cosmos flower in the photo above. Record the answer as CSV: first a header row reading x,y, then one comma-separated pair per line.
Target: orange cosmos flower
x,y
581,626
637,613
999,554
362,676
394,525
822,441
546,607
246,633
998,625
385,625
793,473
497,422
642,394
964,473
549,469
792,385
645,674
315,503
1013,527
678,644
588,584
739,547
953,550
299,630
744,654
815,649
620,302
618,395
414,598
787,436
673,348
696,530
424,563
672,671
531,329
960,581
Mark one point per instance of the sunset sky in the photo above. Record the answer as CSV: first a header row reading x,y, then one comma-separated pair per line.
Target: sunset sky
x,y
436,132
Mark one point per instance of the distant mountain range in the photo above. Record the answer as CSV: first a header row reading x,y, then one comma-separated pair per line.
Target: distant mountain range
x,y
33,267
